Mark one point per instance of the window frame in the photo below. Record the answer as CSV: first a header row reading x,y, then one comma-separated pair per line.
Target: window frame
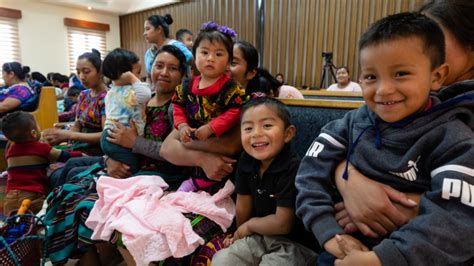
x,y
10,50
81,40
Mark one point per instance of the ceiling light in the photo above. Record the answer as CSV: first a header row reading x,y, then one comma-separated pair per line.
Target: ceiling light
x,y
89,7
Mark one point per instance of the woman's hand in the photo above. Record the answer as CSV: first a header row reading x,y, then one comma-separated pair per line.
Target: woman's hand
x,y
55,136
117,169
345,221
122,135
370,204
216,166
343,218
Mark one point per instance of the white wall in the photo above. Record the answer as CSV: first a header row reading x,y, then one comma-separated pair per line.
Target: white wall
x,y
43,36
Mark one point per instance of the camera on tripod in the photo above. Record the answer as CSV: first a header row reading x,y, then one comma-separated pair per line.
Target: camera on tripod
x,y
327,56
328,70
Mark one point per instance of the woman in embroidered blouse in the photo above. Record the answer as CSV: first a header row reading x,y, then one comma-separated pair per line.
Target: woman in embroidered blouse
x,y
19,95
168,70
90,116
156,32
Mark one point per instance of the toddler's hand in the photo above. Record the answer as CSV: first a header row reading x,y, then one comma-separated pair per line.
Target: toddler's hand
x,y
128,78
229,240
353,255
241,232
203,132
185,132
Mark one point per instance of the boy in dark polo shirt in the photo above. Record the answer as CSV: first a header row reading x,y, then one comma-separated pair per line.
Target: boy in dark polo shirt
x,y
266,193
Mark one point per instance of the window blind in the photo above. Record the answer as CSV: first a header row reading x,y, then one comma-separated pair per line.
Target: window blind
x,y
9,42
83,40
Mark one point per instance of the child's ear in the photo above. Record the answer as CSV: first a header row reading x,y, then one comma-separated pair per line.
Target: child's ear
x,y
35,133
438,76
290,132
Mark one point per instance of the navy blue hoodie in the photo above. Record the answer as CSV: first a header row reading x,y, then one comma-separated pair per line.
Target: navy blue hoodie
x,y
431,152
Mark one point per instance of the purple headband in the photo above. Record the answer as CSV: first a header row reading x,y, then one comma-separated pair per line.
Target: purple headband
x,y
210,25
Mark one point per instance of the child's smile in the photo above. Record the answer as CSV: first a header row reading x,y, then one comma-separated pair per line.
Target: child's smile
x,y
396,78
263,133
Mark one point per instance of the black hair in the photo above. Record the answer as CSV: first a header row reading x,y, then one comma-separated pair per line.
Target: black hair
x,y
177,53
117,62
214,35
250,54
93,57
49,76
404,25
280,108
181,32
456,15
38,77
17,126
161,21
15,67
263,82
59,77
73,91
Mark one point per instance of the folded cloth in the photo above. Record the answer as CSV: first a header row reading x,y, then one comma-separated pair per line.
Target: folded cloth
x,y
152,224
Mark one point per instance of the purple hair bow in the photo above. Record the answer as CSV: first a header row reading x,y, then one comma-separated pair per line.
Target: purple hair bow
x,y
210,25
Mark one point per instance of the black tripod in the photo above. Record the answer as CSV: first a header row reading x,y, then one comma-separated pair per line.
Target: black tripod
x,y
328,71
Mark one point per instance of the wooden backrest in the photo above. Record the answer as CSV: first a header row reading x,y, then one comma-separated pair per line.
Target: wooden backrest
x,y
334,95
309,116
47,113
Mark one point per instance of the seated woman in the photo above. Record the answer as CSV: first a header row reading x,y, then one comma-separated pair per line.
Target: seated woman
x,y
280,78
268,83
19,95
244,69
344,82
80,195
90,115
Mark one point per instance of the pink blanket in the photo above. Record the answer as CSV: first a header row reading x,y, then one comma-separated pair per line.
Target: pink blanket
x,y
152,223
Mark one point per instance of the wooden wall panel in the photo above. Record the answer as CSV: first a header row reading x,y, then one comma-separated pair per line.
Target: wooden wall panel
x,y
190,14
296,31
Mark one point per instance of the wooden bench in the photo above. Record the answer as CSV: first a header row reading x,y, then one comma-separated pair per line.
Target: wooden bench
x,y
47,112
310,115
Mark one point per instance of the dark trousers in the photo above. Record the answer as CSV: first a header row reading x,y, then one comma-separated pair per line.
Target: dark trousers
x,y
119,153
326,259
73,167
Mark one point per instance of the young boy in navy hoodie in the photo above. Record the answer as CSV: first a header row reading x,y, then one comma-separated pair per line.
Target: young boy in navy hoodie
x,y
405,138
